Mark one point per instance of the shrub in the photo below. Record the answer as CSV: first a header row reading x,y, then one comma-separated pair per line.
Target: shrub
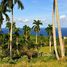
x,y
6,59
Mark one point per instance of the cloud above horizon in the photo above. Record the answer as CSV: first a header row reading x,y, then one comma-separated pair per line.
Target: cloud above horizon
x,y
63,20
63,17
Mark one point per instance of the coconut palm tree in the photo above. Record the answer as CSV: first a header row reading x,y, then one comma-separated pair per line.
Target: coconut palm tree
x,y
36,27
10,5
54,32
49,31
59,30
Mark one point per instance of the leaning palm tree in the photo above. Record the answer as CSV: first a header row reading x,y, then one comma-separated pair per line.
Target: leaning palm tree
x,y
49,31
10,5
59,30
36,27
54,32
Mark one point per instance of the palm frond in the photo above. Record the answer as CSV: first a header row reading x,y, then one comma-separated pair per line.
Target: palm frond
x,y
7,17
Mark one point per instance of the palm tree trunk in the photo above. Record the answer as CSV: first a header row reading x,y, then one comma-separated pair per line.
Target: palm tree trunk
x,y
11,36
59,30
54,37
36,37
50,43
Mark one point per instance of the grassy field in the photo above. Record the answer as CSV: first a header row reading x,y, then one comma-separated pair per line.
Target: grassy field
x,y
37,64
46,61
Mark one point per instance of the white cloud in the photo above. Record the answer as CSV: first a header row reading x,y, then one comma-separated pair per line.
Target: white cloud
x,y
21,20
63,20
63,16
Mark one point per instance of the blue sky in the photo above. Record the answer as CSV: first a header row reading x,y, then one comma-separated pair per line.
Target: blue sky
x,y
39,9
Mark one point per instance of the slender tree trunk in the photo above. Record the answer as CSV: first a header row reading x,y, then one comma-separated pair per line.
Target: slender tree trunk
x,y
59,31
50,43
11,36
36,37
54,37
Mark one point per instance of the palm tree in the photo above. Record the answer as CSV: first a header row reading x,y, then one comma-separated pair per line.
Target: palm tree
x,y
36,27
59,30
10,4
54,32
49,31
26,30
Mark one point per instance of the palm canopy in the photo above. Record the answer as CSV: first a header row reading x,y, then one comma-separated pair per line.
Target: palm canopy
x,y
11,3
3,12
49,29
26,29
8,24
17,32
36,26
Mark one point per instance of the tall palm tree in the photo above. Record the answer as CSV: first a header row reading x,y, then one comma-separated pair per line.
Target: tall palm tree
x,y
36,27
54,32
49,31
10,4
59,30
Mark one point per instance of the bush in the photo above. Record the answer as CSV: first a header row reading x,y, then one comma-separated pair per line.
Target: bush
x,y
25,58
12,61
6,59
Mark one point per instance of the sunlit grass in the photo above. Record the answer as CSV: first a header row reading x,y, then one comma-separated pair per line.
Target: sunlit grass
x,y
53,63
38,62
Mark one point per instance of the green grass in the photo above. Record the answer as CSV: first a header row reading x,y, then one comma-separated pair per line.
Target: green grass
x,y
46,61
53,63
